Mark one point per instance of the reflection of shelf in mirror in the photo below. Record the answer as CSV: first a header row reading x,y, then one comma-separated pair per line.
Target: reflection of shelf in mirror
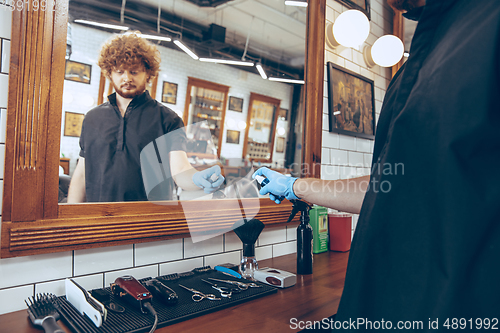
x,y
206,116
210,99
218,109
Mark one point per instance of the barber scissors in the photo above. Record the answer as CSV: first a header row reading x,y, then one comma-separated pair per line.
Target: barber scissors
x,y
241,285
224,291
199,296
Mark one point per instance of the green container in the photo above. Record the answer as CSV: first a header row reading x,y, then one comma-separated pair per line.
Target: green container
x,y
318,219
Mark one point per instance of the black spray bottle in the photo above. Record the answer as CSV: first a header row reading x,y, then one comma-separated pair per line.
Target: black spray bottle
x,y
304,237
304,232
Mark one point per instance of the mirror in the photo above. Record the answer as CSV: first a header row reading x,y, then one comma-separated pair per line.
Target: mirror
x,y
258,31
259,137
32,220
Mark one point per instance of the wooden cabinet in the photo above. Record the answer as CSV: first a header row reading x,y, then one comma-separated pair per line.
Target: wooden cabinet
x,y
206,105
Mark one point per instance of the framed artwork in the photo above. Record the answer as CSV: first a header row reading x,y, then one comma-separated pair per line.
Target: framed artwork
x,y
73,123
351,105
77,71
169,93
283,114
235,104
362,5
258,126
280,145
233,136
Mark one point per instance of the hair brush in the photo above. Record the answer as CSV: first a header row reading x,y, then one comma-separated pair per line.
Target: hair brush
x,y
43,313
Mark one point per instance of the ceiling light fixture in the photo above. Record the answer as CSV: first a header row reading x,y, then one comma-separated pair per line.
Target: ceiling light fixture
x,y
350,29
277,79
296,3
186,49
228,62
103,25
166,39
385,52
261,71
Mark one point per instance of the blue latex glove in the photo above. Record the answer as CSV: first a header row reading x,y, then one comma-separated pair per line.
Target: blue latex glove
x,y
278,186
209,179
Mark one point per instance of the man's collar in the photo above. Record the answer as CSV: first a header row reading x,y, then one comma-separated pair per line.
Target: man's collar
x,y
137,100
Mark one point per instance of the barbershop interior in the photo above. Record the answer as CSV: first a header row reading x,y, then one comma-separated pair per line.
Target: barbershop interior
x,y
294,86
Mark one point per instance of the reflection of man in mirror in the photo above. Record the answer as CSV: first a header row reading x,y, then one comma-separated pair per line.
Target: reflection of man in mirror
x,y
114,133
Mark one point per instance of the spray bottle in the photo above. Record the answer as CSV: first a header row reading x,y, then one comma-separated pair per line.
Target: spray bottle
x,y
304,237
304,231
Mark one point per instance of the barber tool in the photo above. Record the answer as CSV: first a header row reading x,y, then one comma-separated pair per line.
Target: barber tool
x,y
263,181
162,292
227,270
136,294
85,303
248,232
241,285
224,291
304,237
105,298
275,277
199,296
43,314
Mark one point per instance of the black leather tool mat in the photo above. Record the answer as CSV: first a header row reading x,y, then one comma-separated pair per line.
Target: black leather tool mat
x,y
132,320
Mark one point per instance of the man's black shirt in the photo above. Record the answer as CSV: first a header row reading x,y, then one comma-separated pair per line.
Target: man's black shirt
x,y
111,145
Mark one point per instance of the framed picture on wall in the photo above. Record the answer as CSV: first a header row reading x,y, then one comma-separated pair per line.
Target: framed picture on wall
x,y
73,123
169,93
235,104
233,136
362,5
78,72
280,145
351,104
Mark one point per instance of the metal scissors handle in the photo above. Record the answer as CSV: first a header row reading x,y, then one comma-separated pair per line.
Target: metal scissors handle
x,y
199,296
224,291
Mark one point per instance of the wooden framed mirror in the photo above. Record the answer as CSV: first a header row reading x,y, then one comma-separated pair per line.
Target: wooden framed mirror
x,y
32,220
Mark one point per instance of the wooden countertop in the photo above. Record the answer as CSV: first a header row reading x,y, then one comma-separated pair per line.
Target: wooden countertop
x,y
314,297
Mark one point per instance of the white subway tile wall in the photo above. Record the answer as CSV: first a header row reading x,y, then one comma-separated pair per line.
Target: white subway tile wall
x,y
228,257
282,249
15,297
96,268
346,156
54,287
138,273
263,252
271,235
91,261
155,252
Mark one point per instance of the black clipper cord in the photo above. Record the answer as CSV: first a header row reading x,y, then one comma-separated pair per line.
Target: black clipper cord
x,y
150,308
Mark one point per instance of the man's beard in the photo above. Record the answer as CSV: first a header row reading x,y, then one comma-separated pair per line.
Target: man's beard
x,y
131,92
403,5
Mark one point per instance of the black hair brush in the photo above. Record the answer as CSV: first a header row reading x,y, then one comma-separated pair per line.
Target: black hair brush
x,y
248,232
43,313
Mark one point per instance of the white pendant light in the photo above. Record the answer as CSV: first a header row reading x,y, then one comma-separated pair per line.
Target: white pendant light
x,y
103,25
385,52
185,49
228,62
261,71
350,29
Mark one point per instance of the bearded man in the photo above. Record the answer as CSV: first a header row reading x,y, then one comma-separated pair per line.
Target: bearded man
x,y
114,133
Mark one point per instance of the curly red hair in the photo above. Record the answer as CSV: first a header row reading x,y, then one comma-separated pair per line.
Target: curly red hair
x,y
129,50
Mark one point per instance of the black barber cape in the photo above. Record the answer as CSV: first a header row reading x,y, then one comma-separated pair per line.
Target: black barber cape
x,y
111,145
427,243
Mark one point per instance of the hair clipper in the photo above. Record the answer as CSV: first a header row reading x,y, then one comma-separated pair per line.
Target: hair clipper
x,y
128,288
162,292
